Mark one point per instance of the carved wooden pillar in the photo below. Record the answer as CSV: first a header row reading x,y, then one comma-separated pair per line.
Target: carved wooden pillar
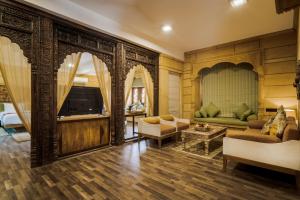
x,y
119,96
44,124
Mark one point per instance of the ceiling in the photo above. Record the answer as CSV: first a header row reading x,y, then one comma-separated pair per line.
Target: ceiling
x,y
196,23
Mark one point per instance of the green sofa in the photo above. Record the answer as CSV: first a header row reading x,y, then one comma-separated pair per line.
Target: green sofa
x,y
239,118
226,121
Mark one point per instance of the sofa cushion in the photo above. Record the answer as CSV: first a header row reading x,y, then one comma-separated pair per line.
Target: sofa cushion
x,y
182,126
246,114
152,120
166,129
167,117
197,114
240,110
253,135
212,110
222,120
256,124
291,132
203,112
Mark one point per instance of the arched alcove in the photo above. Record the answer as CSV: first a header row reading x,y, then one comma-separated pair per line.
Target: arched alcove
x,y
147,81
16,74
228,85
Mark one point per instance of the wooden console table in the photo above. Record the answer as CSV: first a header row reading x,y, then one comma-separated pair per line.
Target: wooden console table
x,y
82,132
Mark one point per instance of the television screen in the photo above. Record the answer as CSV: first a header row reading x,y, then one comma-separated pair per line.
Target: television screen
x,y
81,101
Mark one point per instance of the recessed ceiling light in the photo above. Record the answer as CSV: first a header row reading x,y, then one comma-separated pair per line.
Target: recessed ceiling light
x,y
237,3
166,28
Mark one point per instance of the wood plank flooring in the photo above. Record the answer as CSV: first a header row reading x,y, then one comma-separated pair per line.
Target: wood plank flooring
x,y
130,172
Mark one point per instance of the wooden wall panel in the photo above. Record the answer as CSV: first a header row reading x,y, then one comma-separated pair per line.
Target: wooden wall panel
x,y
273,55
280,67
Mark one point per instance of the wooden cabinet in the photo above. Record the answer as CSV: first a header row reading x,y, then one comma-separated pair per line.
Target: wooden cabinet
x,y
81,133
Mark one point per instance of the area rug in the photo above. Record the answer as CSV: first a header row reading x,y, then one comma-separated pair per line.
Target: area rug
x,y
21,137
3,132
196,148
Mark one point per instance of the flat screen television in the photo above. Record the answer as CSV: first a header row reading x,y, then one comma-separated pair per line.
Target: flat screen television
x,y
81,101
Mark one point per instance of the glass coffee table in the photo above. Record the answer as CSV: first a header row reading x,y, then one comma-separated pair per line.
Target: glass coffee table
x,y
214,133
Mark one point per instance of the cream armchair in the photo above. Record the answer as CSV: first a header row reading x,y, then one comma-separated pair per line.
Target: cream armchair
x,y
179,123
155,130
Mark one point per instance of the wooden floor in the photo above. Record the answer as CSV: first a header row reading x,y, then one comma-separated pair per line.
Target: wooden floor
x,y
127,172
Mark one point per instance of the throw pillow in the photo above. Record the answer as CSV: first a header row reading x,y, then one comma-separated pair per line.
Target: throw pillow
x,y
197,114
212,110
246,114
167,117
203,112
266,128
252,117
279,123
152,120
240,110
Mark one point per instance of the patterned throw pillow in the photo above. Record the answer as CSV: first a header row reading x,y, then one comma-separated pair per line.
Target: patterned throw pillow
x,y
212,110
203,112
266,128
240,110
279,123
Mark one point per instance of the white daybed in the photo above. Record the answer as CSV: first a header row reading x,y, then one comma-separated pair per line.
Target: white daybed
x,y
9,117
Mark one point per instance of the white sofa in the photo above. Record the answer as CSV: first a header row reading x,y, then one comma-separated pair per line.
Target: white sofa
x,y
283,156
162,130
179,123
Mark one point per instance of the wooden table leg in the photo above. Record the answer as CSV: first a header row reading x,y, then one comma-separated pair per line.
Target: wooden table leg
x,y
159,143
133,122
206,147
224,163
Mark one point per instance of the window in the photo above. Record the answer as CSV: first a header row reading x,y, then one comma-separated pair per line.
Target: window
x,y
138,94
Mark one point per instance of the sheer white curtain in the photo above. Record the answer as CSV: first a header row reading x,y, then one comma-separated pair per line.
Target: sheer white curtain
x,y
128,84
65,77
147,82
104,80
16,72
149,87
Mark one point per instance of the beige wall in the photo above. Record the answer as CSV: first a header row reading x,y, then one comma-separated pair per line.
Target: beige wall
x,y
166,65
273,57
93,82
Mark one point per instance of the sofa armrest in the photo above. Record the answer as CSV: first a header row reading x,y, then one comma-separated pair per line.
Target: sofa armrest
x,y
170,123
151,129
291,132
256,124
186,121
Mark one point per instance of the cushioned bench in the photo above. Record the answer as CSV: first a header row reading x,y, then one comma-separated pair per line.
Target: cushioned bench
x,y
226,121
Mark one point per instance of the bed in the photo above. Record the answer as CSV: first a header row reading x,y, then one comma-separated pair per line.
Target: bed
x,y
9,117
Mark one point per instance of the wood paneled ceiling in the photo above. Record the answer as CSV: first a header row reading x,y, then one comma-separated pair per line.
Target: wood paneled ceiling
x,y
196,23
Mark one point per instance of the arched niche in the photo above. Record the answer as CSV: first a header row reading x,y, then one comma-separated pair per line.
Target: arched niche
x,y
89,64
197,81
148,83
16,71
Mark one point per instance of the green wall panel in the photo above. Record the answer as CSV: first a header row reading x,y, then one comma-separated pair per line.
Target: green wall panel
x,y
228,85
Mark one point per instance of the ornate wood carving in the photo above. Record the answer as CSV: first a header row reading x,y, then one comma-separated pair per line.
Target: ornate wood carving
x,y
46,40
